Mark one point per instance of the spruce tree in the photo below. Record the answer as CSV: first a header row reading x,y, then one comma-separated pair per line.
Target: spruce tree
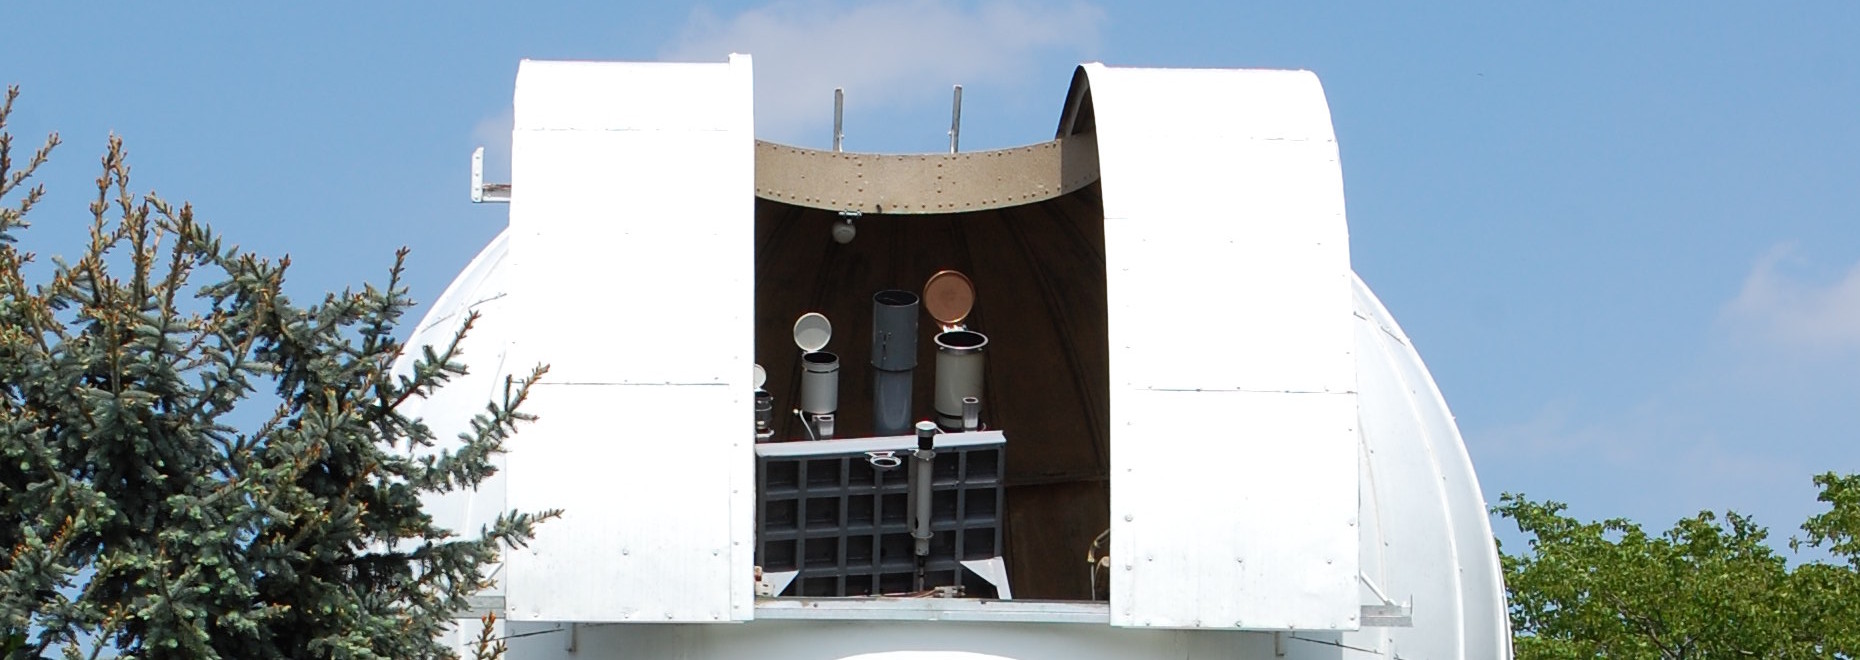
x,y
139,517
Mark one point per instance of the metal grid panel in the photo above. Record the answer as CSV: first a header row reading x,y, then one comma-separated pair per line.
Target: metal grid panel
x,y
825,510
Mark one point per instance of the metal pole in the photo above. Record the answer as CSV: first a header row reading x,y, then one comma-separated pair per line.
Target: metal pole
x,y
955,120
839,115
923,471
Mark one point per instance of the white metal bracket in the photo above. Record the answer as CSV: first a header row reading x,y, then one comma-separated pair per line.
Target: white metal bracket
x,y
994,571
482,192
770,584
1388,613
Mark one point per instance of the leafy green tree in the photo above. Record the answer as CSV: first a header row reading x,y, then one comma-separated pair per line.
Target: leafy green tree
x,y
138,518
1710,587
1828,594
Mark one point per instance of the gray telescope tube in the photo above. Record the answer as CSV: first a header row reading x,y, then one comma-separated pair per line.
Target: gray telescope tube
x,y
958,374
894,358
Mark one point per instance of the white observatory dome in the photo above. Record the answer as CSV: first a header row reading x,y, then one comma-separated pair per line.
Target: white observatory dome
x,y
667,505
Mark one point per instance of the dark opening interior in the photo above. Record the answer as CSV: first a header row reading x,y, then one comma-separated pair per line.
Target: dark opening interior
x,y
1039,277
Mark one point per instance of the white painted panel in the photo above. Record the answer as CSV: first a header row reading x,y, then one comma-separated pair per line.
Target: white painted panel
x,y
766,639
1216,310
630,96
1227,513
1224,230
632,224
1437,539
1234,462
1256,103
637,272
646,534
634,245
1413,524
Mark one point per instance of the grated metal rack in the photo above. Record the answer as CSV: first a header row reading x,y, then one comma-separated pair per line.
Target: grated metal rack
x,y
836,513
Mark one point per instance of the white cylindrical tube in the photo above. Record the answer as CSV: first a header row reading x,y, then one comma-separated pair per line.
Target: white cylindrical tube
x,y
820,382
958,373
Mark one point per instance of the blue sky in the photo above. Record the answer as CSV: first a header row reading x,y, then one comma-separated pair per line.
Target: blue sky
x,y
1626,239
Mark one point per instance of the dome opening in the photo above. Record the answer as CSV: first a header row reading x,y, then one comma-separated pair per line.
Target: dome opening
x,y
1038,272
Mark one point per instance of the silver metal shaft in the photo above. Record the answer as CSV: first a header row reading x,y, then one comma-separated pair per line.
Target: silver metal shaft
x,y
839,117
955,120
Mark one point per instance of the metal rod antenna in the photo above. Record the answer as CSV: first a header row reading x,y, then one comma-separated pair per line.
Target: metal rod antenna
x,y
955,120
839,116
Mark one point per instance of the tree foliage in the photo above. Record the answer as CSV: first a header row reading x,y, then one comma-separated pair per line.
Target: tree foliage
x,y
1710,587
194,466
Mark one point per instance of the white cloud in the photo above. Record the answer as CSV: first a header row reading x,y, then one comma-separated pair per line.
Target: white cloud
x,y
884,55
1794,313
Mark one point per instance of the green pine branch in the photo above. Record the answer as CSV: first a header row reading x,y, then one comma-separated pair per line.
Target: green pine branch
x,y
139,518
